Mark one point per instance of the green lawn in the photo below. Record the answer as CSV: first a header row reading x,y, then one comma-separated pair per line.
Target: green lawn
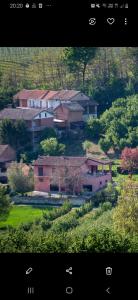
x,y
21,214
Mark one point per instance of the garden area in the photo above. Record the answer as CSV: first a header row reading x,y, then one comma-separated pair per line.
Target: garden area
x,y
20,214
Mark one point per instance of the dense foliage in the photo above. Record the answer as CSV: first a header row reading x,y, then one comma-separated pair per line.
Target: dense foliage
x,y
14,134
52,147
5,201
17,180
84,229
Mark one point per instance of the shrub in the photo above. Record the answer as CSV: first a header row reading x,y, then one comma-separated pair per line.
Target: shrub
x,y
57,212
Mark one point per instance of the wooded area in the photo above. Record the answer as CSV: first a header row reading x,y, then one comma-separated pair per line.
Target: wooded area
x,y
105,74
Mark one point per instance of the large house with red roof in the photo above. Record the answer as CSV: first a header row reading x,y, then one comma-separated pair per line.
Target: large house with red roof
x,y
47,99
70,174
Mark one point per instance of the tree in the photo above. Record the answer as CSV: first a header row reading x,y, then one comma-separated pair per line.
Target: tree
x,y
5,203
22,136
52,147
86,145
18,181
120,123
77,58
125,216
93,128
129,159
7,132
14,133
48,133
105,144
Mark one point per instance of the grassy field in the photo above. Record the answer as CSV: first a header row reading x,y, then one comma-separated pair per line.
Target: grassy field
x,y
22,214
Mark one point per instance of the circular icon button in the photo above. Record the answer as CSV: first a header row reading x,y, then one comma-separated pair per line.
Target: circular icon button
x,y
69,290
92,21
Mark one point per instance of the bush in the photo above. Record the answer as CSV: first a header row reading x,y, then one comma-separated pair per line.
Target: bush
x,y
105,144
45,225
106,206
93,128
26,226
57,212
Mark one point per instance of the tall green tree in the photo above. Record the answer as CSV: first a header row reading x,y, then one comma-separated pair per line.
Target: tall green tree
x,y
78,58
5,203
7,132
14,133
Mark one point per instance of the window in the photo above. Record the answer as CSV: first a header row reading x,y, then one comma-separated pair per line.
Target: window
x,y
40,171
87,188
54,188
40,116
45,115
100,182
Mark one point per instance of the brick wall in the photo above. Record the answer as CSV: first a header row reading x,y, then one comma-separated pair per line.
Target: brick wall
x,y
48,122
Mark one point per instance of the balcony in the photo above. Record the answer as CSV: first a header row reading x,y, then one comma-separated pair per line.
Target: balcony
x,y
86,116
98,174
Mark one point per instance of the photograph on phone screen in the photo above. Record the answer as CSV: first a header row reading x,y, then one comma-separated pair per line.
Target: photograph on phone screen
x,y
68,149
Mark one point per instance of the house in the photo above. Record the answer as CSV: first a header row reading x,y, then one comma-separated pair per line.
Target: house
x,y
70,174
35,119
7,155
68,114
51,99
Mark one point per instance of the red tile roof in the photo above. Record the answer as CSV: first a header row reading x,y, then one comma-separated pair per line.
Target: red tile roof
x,y
65,161
28,94
60,161
46,94
63,95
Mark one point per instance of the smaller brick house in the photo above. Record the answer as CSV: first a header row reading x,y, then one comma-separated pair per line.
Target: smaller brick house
x,y
7,155
35,119
67,114
70,174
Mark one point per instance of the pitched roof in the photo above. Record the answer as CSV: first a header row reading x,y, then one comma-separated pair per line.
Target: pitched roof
x,y
67,161
30,94
60,95
45,94
60,161
71,106
20,113
3,148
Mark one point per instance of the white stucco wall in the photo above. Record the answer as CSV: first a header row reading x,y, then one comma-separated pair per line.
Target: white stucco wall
x,y
43,115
